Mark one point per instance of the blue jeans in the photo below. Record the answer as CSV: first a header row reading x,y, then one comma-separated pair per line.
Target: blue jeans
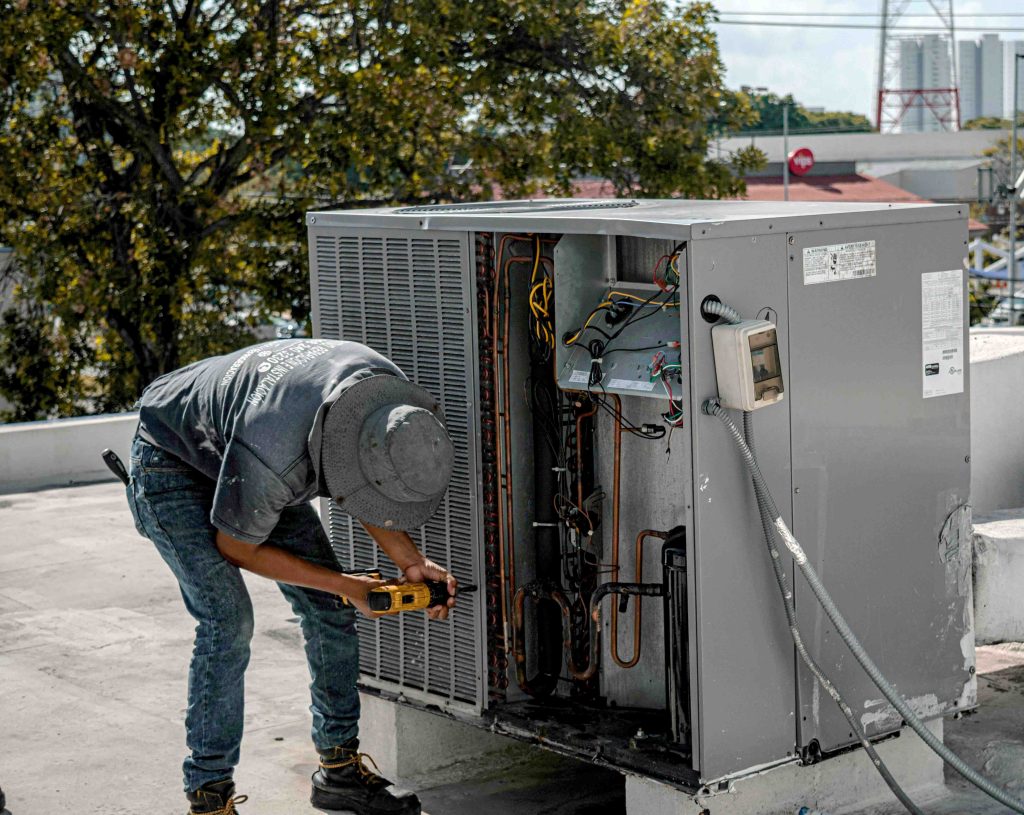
x,y
170,503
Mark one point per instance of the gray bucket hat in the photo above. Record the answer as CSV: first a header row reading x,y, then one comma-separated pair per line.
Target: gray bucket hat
x,y
385,454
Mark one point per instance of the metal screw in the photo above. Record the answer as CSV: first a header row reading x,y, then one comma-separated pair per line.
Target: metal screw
x,y
792,239
312,219
971,670
967,459
797,490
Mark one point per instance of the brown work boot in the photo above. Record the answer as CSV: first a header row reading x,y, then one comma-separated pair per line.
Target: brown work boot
x,y
216,798
345,784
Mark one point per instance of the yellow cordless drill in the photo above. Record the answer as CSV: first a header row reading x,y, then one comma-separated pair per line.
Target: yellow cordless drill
x,y
396,597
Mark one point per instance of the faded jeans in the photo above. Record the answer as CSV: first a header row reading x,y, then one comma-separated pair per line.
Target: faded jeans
x,y
170,503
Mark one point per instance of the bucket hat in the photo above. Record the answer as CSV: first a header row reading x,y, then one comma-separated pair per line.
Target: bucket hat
x,y
385,455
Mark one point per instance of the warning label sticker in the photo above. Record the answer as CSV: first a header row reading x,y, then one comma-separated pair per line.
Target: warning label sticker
x,y
631,385
942,333
840,261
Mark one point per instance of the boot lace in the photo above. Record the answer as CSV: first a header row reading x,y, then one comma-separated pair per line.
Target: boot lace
x,y
366,775
229,807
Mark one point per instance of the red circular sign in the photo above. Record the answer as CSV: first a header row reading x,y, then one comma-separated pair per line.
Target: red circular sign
x,y
801,161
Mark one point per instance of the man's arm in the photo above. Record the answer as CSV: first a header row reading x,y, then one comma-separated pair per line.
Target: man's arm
x,y
271,561
403,553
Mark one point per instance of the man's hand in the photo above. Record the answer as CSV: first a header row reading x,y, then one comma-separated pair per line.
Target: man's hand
x,y
357,596
428,570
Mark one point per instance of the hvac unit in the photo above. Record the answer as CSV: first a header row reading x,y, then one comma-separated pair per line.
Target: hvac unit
x,y
628,610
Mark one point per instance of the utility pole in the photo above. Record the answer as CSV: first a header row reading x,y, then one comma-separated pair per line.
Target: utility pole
x,y
785,151
1011,264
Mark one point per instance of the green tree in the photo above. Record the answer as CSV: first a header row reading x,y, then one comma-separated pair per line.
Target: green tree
x,y
987,123
158,154
769,110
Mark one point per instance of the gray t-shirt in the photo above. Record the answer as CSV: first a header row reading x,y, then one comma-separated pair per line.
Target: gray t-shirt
x,y
246,420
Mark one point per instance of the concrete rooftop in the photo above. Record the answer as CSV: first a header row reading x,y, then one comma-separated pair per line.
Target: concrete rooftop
x,y
94,644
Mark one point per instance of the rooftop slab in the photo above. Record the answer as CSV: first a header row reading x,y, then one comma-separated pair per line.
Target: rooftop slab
x,y
94,646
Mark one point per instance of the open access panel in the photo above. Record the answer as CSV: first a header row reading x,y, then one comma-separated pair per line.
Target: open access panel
x,y
630,614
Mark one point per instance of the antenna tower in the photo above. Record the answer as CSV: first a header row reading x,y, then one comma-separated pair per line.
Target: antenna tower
x,y
933,99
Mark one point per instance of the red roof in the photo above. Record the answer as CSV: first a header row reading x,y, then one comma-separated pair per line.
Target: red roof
x,y
852,188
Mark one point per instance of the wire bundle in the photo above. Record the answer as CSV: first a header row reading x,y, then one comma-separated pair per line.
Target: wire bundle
x,y
663,372
541,291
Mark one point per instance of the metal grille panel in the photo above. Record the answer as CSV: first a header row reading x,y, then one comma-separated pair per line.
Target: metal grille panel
x,y
409,296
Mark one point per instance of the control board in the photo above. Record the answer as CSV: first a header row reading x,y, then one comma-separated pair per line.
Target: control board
x,y
627,343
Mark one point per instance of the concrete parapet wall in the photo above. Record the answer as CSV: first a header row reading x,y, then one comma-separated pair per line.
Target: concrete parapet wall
x,y
997,418
56,453
999,577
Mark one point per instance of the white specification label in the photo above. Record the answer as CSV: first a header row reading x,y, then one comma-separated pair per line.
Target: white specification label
x,y
579,377
942,333
631,385
840,261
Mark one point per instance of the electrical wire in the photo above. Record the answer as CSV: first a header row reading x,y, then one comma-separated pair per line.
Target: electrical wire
x,y
871,26
932,15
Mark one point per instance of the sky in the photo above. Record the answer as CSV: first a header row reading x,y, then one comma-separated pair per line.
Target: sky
x,y
832,68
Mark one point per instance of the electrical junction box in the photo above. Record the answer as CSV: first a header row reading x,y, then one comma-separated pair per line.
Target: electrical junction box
x,y
747,364
582,458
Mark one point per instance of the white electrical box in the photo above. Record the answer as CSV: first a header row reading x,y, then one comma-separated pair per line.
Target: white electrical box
x,y
747,364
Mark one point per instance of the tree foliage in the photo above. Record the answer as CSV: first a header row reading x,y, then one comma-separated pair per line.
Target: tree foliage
x,y
769,110
158,154
987,123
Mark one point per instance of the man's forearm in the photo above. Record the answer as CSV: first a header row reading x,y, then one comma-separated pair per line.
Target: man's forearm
x,y
275,563
396,545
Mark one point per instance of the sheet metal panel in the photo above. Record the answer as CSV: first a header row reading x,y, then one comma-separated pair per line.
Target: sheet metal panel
x,y
410,296
664,218
879,471
743,670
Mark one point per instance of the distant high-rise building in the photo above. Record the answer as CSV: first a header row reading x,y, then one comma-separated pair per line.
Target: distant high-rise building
x,y
970,90
981,77
924,63
1010,50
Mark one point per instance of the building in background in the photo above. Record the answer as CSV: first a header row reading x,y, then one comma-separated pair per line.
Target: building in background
x,y
1010,50
925,64
941,167
981,77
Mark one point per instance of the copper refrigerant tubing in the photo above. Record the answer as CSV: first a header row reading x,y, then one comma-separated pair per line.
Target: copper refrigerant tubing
x,y
538,592
616,468
579,459
638,576
503,406
500,303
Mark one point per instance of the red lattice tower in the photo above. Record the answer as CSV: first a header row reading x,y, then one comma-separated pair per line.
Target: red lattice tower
x,y
941,99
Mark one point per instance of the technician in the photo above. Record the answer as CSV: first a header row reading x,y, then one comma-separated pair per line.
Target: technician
x,y
229,453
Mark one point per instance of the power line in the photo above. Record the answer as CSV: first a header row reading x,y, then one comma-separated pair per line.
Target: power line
x,y
864,14
867,27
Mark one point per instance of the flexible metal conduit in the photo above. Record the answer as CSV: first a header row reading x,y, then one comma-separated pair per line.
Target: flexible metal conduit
x,y
712,408
819,674
719,309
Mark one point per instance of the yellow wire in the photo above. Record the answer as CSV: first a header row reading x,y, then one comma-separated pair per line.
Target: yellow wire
x,y
673,304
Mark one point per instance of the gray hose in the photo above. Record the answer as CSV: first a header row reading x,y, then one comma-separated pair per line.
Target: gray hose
x,y
819,674
727,313
712,408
